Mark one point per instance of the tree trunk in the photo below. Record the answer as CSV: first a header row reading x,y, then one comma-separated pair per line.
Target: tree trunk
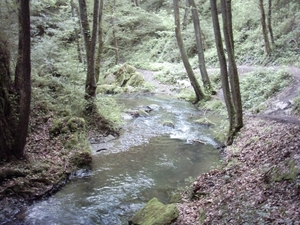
x,y
270,21
205,79
223,68
73,9
136,3
232,68
100,42
6,126
18,69
264,27
25,86
189,70
186,14
90,42
115,39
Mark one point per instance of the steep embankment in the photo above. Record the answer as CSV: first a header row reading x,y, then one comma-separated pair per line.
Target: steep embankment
x,y
258,182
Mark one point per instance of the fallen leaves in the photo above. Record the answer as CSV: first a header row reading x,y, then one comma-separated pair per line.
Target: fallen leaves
x,y
255,185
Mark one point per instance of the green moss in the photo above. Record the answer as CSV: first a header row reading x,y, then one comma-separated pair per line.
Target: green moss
x,y
66,125
155,213
130,69
260,85
136,80
76,123
81,159
187,94
290,175
205,121
296,105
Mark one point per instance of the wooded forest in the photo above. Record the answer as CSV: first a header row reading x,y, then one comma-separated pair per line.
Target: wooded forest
x,y
58,59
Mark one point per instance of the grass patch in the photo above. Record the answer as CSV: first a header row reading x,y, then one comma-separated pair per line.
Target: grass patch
x,y
262,84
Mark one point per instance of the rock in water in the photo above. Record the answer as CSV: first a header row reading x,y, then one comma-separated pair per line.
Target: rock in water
x,y
155,213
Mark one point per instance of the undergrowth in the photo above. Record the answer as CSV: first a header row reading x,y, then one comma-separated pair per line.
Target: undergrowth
x,y
260,85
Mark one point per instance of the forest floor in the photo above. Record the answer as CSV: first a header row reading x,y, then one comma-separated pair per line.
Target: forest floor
x,y
259,180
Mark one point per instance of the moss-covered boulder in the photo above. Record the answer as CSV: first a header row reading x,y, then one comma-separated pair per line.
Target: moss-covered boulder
x,y
135,80
81,159
155,213
109,89
121,78
66,124
205,121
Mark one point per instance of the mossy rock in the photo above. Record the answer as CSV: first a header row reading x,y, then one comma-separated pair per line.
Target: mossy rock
x,y
108,89
135,80
142,112
123,75
67,125
81,159
129,68
57,127
109,79
205,121
155,213
187,94
75,124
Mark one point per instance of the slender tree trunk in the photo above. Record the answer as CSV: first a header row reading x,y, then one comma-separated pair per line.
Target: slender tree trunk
x,y
73,7
18,69
136,3
223,68
270,21
25,84
186,14
189,70
100,42
201,60
264,27
91,81
115,39
232,68
90,43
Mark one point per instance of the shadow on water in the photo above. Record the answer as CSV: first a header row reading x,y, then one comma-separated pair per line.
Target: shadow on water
x,y
148,160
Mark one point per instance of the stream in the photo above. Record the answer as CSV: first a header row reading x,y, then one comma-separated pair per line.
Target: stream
x,y
147,160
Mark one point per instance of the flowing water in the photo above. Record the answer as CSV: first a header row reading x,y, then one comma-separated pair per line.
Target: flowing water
x,y
148,160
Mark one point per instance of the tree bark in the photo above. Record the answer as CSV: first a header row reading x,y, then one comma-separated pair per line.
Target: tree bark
x,y
136,3
232,68
264,27
6,126
25,86
223,68
189,70
270,21
18,69
100,42
90,43
201,60
79,53
186,14
115,39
